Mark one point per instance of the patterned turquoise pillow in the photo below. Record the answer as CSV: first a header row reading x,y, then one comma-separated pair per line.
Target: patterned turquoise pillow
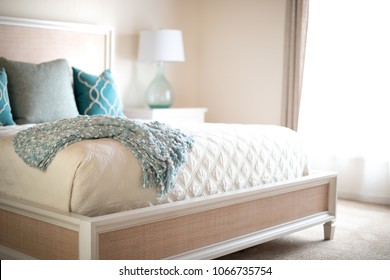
x,y
96,95
5,109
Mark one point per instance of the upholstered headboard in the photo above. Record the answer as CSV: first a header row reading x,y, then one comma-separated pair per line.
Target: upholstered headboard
x,y
89,47
55,70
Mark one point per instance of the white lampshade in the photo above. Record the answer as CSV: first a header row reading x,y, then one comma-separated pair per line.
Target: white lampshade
x,y
165,45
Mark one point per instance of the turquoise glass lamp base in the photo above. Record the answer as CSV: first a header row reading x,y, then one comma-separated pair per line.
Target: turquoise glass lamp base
x,y
160,93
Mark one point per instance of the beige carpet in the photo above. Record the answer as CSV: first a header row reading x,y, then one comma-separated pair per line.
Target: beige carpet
x,y
362,233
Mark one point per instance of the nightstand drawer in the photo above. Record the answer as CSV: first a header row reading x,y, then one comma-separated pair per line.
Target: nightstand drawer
x,y
171,115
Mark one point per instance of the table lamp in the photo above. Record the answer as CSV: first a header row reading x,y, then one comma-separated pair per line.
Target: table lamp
x,y
160,46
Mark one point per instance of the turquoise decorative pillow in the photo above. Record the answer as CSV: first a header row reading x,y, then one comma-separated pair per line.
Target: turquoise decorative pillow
x,y
96,95
5,109
40,92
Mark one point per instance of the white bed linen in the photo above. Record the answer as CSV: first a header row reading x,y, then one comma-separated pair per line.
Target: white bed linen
x,y
96,177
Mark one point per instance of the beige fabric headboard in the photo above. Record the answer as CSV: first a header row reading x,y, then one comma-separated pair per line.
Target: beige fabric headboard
x,y
87,47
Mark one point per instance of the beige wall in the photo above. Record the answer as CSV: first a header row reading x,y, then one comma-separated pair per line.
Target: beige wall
x,y
234,49
241,60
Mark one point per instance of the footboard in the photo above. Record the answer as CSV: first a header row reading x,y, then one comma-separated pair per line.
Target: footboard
x,y
203,228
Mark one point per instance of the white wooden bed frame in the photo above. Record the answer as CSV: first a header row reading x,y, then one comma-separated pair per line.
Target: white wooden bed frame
x,y
203,228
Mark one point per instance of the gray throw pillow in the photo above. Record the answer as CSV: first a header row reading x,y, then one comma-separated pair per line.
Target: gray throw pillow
x,y
40,92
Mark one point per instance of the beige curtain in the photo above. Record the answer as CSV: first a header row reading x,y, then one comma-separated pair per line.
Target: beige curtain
x,y
295,41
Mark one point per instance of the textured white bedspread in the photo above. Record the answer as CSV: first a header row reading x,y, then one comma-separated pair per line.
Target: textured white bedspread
x,y
96,177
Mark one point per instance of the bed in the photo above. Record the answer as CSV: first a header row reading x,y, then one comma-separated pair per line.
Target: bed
x,y
228,195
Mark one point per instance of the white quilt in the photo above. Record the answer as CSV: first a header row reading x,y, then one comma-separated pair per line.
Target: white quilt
x,y
96,177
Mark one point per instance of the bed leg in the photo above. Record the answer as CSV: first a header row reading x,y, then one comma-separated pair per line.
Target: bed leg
x,y
329,229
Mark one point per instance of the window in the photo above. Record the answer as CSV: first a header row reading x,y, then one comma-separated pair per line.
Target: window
x,y
345,106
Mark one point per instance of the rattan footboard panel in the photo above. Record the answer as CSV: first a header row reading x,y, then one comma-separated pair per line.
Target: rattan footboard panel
x,y
36,238
181,234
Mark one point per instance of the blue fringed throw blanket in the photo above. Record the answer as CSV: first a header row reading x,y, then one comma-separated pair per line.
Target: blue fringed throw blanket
x,y
160,149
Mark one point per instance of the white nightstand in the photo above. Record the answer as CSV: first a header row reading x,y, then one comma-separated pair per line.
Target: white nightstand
x,y
171,115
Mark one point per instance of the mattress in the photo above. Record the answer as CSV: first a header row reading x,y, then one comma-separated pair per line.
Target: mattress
x,y
97,177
